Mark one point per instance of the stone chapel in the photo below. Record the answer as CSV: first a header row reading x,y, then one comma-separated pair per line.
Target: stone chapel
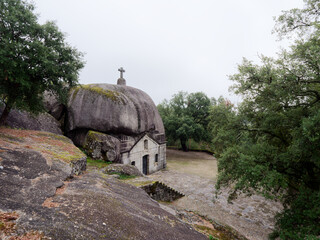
x,y
117,123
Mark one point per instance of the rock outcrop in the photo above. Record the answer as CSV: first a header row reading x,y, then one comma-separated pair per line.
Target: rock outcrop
x,y
116,109
26,120
100,146
57,150
122,169
53,106
38,190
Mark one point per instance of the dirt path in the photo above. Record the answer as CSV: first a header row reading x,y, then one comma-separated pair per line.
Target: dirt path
x,y
251,216
196,163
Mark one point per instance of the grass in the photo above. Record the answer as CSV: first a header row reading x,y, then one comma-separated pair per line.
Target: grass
x,y
122,176
139,184
125,176
212,238
97,163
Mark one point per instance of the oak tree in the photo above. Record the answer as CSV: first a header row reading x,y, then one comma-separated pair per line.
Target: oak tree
x,y
185,116
277,149
33,58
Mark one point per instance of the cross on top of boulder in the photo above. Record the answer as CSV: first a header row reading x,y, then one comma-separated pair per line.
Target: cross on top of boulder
x,y
121,70
121,80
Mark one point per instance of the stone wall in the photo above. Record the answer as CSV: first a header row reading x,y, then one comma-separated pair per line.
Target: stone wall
x,y
138,151
161,192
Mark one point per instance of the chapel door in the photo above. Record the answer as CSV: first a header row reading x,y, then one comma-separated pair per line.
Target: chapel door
x,y
145,164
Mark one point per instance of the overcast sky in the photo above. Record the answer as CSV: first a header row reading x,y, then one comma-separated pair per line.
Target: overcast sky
x,y
167,46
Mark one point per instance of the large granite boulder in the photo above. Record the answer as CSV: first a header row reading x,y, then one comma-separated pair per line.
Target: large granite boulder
x,y
102,146
53,106
25,120
116,109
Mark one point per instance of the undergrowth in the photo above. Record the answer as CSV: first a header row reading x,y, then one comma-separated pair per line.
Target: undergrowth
x,y
97,163
123,176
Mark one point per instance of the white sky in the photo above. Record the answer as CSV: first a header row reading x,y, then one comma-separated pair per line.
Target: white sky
x,y
167,46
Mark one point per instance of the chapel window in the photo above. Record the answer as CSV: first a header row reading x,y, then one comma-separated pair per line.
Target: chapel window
x,y
156,158
133,163
146,144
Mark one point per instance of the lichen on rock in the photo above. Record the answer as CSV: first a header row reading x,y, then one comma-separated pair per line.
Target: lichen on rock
x,y
109,94
91,206
102,146
55,148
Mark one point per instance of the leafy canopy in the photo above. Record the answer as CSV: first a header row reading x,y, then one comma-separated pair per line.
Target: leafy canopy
x,y
185,117
33,58
271,144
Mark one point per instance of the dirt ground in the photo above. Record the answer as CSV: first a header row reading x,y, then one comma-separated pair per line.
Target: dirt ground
x,y
194,174
197,163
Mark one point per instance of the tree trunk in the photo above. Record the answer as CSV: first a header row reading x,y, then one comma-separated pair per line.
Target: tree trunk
x,y
5,115
184,145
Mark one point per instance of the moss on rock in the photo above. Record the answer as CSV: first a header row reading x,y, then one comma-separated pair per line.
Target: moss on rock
x,y
53,147
114,96
102,146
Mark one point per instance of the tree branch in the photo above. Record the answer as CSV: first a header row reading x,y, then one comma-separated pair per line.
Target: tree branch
x,y
265,131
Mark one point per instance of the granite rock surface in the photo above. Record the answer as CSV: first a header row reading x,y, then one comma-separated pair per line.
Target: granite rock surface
x,y
113,109
40,187
25,120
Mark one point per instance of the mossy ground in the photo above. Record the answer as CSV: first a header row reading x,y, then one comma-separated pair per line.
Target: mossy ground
x,y
212,233
52,146
138,183
96,163
99,164
123,176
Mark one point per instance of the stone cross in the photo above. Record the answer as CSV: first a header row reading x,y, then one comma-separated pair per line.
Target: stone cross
x,y
121,70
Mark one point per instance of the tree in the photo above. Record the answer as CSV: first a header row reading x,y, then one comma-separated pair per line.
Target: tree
x,y
222,124
198,107
185,117
33,58
277,150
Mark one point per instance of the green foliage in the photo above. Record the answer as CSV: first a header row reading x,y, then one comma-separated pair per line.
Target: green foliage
x,y
185,117
124,176
271,143
223,121
299,21
97,163
33,58
301,220
212,238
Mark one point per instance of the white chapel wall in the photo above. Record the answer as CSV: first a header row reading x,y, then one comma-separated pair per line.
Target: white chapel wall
x,y
138,151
